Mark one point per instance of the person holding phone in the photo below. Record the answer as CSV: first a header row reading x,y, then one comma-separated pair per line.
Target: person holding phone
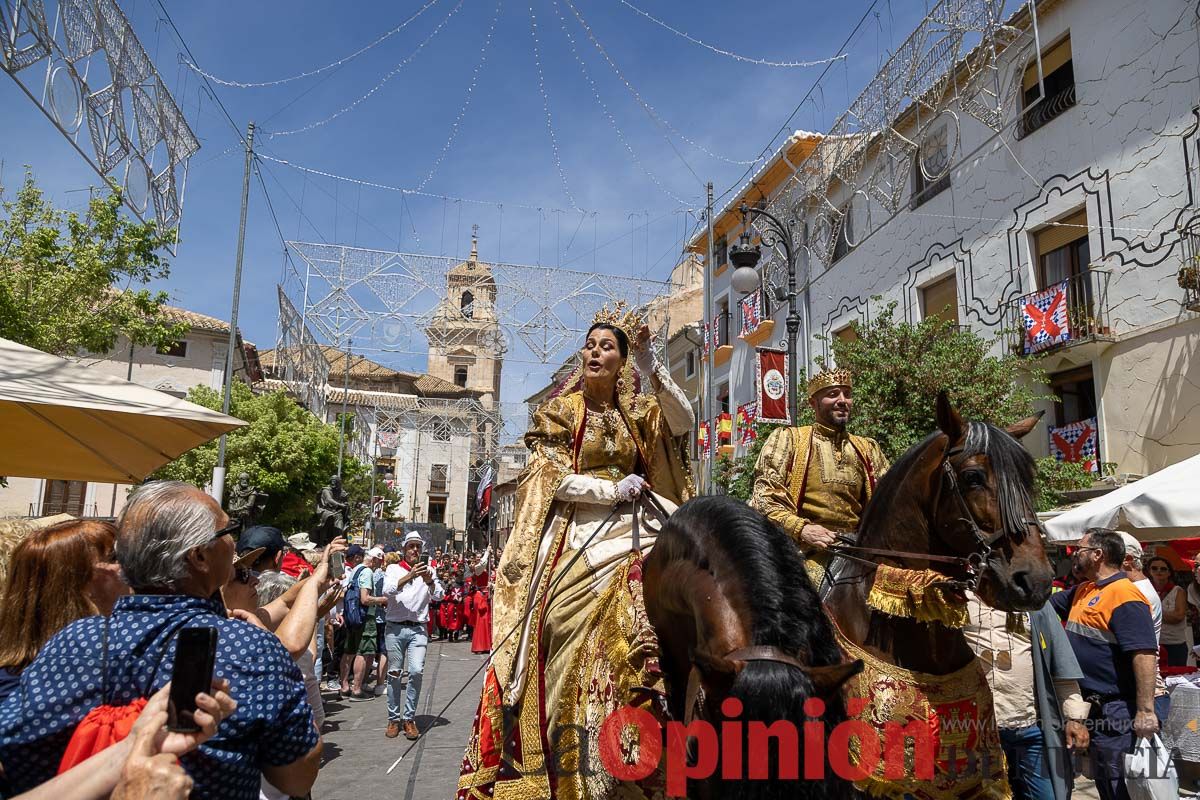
x,y
409,587
176,549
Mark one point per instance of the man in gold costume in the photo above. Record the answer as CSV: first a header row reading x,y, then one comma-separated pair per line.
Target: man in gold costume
x,y
814,481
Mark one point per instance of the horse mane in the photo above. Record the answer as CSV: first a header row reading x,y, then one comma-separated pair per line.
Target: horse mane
x,y
1012,469
786,613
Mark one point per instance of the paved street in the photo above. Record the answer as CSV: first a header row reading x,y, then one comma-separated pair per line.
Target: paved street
x,y
357,756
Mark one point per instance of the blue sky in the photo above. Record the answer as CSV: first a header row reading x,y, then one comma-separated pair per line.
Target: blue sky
x,y
502,153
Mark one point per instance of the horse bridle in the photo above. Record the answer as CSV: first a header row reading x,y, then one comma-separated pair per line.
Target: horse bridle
x,y
972,564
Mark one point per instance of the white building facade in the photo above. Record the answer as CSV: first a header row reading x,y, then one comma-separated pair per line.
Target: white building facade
x,y
1092,187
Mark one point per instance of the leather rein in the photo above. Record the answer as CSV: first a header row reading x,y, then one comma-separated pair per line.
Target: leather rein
x,y
971,564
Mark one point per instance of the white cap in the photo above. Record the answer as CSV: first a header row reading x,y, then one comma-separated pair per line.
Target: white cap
x,y
300,541
413,536
375,552
1132,546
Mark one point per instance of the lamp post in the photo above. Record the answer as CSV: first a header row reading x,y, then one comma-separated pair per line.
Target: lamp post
x,y
745,279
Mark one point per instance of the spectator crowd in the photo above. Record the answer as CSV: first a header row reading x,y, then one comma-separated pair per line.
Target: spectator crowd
x,y
90,621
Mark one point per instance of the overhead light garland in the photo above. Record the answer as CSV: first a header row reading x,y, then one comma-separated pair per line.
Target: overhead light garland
x,y
608,114
462,112
541,80
391,74
317,71
729,54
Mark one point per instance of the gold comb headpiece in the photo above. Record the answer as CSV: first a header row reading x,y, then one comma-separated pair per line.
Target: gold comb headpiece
x,y
620,316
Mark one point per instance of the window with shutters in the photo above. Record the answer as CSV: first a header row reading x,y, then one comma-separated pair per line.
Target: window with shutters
x,y
64,497
437,510
1054,95
849,333
940,299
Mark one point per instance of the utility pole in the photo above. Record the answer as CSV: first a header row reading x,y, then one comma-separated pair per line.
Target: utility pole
x,y
218,480
706,382
345,397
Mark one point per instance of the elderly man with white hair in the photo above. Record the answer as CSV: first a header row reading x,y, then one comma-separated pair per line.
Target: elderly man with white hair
x,y
176,548
409,587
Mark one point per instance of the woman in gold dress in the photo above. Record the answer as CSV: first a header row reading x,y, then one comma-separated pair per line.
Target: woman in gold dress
x,y
572,641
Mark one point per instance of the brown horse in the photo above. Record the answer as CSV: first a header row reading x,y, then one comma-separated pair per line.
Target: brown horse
x,y
959,503
979,510
737,617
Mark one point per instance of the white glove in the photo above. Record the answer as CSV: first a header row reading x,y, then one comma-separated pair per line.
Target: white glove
x,y
630,487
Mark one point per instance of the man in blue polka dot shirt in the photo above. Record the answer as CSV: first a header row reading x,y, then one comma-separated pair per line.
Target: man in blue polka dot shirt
x,y
176,550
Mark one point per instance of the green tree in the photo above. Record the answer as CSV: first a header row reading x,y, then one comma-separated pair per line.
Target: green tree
x,y
898,370
286,451
67,283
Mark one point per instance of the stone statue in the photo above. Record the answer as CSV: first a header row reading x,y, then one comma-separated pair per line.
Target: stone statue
x,y
333,513
246,502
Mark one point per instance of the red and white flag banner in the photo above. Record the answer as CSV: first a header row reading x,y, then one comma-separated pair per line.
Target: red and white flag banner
x,y
772,380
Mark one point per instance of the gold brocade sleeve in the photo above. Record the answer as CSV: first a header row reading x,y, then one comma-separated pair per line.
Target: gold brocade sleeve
x,y
771,479
879,461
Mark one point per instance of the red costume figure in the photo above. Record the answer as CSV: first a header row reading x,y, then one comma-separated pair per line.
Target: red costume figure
x,y
452,611
481,636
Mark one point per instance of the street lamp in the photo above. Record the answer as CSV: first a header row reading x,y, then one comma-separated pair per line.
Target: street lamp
x,y
745,279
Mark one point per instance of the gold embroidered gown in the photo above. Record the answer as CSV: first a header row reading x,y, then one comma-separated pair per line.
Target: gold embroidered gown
x,y
572,641
816,474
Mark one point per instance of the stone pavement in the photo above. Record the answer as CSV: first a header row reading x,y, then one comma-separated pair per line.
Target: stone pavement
x,y
358,756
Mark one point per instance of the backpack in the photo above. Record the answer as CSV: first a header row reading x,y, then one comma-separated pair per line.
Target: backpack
x,y
355,614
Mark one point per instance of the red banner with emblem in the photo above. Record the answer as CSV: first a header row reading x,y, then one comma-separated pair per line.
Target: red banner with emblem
x,y
771,377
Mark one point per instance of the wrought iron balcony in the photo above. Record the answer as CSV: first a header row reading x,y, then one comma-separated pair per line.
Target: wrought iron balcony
x,y
1041,113
1189,274
1066,314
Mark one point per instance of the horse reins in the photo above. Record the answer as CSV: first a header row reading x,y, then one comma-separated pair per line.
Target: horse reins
x,y
971,564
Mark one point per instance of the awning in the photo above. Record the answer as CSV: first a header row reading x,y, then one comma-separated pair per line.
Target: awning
x,y
61,420
1159,507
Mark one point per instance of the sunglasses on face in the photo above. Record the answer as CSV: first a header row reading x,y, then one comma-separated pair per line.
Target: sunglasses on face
x,y
234,529
245,575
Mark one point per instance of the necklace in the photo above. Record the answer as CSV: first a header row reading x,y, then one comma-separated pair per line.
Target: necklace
x,y
610,419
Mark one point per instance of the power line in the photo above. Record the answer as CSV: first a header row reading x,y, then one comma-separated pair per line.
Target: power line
x,y
310,73
414,192
807,95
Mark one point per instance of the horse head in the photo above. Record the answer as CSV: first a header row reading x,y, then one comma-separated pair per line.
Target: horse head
x,y
738,619
981,490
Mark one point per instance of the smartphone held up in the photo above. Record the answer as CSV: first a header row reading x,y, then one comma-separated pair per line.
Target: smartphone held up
x,y
192,674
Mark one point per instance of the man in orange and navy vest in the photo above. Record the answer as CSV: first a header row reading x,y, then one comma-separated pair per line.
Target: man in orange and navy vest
x,y
1112,633
814,481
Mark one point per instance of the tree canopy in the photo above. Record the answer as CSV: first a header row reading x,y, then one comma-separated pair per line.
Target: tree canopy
x,y
898,370
68,283
286,451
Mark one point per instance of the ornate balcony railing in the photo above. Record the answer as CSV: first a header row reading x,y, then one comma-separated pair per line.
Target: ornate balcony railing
x,y
1189,274
1043,112
1061,315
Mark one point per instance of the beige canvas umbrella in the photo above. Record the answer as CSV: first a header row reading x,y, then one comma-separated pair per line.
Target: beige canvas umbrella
x,y
60,420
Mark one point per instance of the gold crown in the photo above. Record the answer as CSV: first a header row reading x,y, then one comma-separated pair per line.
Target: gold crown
x,y
830,377
620,316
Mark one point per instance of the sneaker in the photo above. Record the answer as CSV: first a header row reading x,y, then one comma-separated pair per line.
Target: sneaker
x,y
360,696
331,686
380,690
410,730
393,729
